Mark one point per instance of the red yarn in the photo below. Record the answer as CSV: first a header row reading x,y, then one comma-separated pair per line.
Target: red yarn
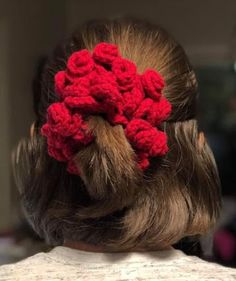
x,y
132,100
72,168
107,96
60,83
61,120
143,160
84,104
159,112
146,138
152,111
56,153
100,76
153,83
105,83
105,53
144,108
80,63
65,132
125,72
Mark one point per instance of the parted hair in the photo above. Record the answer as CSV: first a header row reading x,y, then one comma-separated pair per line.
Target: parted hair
x,y
113,203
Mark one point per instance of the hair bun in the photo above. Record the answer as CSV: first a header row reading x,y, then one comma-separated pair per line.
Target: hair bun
x,y
103,83
108,169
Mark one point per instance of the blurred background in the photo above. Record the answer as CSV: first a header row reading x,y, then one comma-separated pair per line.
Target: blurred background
x,y
29,29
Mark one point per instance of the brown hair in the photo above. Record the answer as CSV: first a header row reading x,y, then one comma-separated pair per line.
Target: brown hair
x,y
113,204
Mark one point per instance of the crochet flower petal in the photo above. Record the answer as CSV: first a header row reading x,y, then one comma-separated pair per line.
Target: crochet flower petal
x,y
153,84
86,104
146,138
80,63
125,72
60,82
61,120
159,112
132,100
105,53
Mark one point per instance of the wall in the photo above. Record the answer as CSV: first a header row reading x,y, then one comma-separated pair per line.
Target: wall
x,y
205,28
31,30
4,127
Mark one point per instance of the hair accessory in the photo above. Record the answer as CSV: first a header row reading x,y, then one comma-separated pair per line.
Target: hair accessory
x,y
105,83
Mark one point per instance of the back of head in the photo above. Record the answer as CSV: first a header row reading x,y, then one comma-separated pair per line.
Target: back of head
x,y
113,203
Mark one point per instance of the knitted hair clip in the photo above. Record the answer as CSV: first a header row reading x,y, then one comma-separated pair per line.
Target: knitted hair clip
x,y
102,82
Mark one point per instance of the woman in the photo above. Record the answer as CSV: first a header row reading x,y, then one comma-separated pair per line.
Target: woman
x,y
116,170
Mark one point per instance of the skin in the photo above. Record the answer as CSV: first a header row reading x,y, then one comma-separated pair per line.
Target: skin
x,y
78,245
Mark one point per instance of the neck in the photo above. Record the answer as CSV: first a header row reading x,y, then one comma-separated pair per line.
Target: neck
x,y
83,246
78,245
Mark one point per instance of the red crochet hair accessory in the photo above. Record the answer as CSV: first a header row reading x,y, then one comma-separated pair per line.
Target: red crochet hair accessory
x,y
105,83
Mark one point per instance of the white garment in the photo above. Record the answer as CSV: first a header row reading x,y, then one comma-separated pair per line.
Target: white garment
x,y
67,264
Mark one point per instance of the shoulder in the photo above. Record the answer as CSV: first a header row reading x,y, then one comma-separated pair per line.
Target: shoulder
x,y
28,269
204,270
67,264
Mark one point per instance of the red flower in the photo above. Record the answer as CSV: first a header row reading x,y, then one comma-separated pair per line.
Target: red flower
x,y
61,121
100,76
83,136
60,82
153,84
53,139
159,112
132,100
80,63
105,53
125,72
144,109
86,104
153,112
64,88
134,127
107,95
146,138
118,119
